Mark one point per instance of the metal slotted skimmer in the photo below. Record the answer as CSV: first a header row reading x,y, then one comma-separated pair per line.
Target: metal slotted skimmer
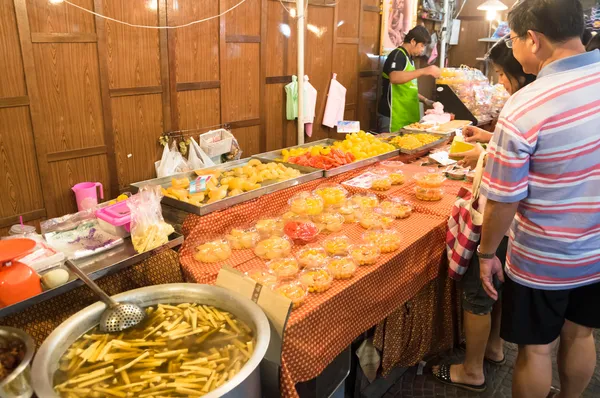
x,y
116,317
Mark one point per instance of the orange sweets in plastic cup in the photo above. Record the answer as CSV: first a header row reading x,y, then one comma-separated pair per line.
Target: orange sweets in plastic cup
x,y
332,194
213,251
294,290
396,207
263,276
364,253
313,256
284,268
336,245
272,226
240,239
429,194
364,201
387,240
317,279
375,218
381,183
273,247
348,210
329,221
429,180
306,204
341,267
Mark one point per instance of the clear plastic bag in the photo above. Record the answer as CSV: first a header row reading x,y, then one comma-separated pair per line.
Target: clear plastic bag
x,y
148,228
171,162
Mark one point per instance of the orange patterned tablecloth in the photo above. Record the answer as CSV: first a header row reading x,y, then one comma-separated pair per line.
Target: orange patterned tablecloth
x,y
327,323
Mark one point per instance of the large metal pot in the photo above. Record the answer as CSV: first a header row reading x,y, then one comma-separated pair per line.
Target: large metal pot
x,y
245,384
18,383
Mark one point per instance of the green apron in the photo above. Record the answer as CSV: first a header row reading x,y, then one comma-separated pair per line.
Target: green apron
x,y
404,103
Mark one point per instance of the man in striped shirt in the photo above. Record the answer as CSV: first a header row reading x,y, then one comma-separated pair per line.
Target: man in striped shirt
x,y
542,182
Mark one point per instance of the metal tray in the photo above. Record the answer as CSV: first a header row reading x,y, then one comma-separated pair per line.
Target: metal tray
x,y
274,155
441,140
308,174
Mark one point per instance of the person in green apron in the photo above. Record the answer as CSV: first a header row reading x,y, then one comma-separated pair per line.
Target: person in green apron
x,y
399,103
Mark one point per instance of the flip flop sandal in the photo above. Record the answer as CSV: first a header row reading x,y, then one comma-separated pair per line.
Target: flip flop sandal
x,y
463,347
497,363
443,376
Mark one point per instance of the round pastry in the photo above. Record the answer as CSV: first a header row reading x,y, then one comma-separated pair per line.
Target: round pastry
x,y
429,194
284,267
381,183
429,180
306,204
375,218
240,239
387,240
336,245
341,267
329,221
396,208
291,216
364,253
268,227
365,201
317,279
332,194
294,290
273,247
263,276
213,252
311,257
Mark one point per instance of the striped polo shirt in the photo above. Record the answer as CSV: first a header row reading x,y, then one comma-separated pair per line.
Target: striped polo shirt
x,y
545,154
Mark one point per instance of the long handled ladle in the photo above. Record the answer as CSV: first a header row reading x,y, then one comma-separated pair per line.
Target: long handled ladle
x,y
116,317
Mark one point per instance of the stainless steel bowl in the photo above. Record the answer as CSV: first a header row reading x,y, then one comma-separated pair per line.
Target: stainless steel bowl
x,y
245,384
18,383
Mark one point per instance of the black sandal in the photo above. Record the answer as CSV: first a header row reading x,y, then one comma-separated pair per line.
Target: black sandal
x,y
443,376
497,363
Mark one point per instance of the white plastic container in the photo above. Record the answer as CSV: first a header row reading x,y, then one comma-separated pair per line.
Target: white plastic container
x,y
216,142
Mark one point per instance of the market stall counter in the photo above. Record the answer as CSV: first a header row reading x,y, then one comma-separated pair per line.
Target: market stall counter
x,y
326,323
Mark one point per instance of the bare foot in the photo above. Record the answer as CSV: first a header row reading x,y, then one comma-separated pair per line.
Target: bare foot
x,y
458,374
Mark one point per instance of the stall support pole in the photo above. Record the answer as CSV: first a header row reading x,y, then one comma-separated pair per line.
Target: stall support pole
x,y
301,20
445,33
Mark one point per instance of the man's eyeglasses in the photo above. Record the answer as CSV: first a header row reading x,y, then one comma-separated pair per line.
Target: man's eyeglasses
x,y
509,41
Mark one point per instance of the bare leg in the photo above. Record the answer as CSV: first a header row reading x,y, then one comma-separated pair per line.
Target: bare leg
x,y
477,331
495,345
532,376
576,359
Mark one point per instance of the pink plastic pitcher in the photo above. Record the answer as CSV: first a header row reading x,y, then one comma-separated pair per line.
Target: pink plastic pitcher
x,y
86,195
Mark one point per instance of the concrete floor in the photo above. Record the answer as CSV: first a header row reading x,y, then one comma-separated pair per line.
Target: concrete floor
x,y
499,379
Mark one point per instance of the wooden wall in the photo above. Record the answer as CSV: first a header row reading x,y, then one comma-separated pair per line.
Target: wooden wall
x,y
473,27
85,99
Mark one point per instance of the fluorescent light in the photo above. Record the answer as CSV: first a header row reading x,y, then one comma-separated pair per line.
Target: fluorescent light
x,y
55,1
490,15
492,5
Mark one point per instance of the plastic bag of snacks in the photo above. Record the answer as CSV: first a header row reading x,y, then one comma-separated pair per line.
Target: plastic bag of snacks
x,y
148,228
213,251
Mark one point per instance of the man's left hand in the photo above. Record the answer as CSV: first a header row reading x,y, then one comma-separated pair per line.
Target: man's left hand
x,y
487,269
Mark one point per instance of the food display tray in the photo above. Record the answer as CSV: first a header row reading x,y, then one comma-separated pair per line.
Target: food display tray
x,y
274,155
441,140
308,174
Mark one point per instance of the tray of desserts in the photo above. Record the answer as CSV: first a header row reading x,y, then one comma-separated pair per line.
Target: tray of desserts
x,y
329,155
411,143
216,188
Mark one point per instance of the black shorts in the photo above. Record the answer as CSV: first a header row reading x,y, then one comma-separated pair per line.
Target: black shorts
x,y
536,317
474,299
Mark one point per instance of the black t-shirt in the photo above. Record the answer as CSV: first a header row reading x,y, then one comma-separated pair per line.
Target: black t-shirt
x,y
396,61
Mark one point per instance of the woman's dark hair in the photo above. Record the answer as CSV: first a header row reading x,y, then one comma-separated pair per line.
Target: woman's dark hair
x,y
420,34
594,43
503,57
586,36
